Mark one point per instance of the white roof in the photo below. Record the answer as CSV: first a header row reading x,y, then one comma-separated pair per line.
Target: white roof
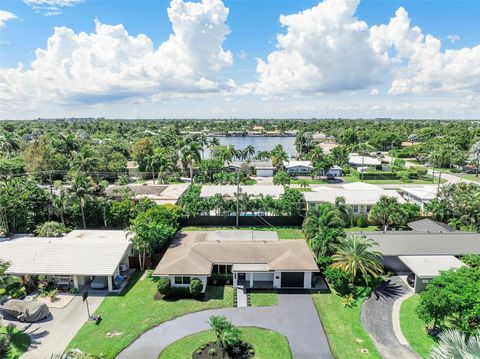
x,y
81,252
230,190
430,266
422,193
356,159
294,163
358,197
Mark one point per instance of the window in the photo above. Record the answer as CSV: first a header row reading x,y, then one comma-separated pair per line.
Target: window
x,y
182,280
355,209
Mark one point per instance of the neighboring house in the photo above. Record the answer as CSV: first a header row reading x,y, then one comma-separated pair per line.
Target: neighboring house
x,y
423,254
430,226
72,260
357,161
253,190
421,195
132,168
305,168
260,168
361,196
255,259
160,194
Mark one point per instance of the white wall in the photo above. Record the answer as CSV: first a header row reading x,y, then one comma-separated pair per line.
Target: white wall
x,y
307,280
264,173
263,276
277,280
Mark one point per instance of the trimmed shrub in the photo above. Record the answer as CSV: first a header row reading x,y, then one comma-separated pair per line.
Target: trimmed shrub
x,y
421,170
324,261
4,345
472,260
362,222
195,287
164,286
220,279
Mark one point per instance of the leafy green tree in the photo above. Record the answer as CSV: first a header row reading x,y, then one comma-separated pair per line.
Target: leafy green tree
x,y
279,156
292,202
51,229
10,167
355,257
387,212
10,143
281,178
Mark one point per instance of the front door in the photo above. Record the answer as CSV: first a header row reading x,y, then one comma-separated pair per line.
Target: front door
x,y
241,276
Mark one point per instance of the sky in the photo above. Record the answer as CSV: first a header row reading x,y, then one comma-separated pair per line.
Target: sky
x,y
240,59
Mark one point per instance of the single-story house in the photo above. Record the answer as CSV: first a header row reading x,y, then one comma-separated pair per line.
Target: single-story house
x,y
73,259
160,194
355,160
255,259
421,195
303,168
261,168
423,253
230,190
361,199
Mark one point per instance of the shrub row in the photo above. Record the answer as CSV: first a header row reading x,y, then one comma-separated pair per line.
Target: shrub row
x,y
194,289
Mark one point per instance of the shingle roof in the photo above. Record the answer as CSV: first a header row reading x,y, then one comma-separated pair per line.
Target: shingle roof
x,y
430,226
409,243
81,252
191,253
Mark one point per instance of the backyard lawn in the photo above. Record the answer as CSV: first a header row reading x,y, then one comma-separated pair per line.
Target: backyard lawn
x,y
359,229
267,344
413,328
346,335
128,315
19,343
283,232
263,298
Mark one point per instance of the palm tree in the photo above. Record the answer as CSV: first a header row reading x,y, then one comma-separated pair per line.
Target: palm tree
x,y
10,143
354,256
227,335
454,345
60,203
82,189
85,160
214,141
250,150
363,150
190,154
279,156
345,210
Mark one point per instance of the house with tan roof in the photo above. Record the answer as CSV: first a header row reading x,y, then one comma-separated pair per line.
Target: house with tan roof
x,y
255,259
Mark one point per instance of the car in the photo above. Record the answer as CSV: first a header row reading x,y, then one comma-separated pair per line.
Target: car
x,y
471,172
99,283
411,280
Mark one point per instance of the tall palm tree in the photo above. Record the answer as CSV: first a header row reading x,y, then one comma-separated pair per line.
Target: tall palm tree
x,y
214,141
354,256
345,210
60,203
279,156
85,160
190,154
10,143
82,189
250,150
454,345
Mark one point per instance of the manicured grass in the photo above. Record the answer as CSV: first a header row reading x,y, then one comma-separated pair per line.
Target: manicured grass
x,y
283,232
309,181
467,176
263,298
267,344
343,327
413,328
19,343
359,229
127,316
425,180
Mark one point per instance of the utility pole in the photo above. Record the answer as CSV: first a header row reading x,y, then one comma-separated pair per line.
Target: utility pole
x,y
238,197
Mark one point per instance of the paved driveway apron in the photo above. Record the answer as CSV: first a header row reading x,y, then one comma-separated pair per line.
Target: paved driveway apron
x,y
295,317
377,319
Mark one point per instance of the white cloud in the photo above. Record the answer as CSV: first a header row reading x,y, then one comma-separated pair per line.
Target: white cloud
x,y
374,92
242,54
325,49
453,38
6,16
110,64
419,64
51,7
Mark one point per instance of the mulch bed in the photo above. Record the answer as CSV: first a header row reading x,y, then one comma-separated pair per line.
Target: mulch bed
x,y
214,350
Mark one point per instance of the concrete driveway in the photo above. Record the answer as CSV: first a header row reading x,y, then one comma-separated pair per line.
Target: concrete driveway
x,y
295,317
377,318
53,334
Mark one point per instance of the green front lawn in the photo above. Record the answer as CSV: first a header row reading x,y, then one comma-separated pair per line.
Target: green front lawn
x,y
413,328
424,180
283,232
309,181
467,176
267,344
346,335
19,343
263,298
127,316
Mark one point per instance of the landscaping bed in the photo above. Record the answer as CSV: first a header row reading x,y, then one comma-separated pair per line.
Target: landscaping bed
x,y
267,344
135,310
19,342
413,328
346,335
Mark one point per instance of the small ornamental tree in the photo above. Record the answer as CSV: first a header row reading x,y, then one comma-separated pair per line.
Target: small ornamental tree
x,y
195,287
281,178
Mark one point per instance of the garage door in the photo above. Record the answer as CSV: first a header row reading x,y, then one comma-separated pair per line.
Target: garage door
x,y
292,279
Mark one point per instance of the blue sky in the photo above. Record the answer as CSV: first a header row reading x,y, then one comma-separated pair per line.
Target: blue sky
x,y
253,29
